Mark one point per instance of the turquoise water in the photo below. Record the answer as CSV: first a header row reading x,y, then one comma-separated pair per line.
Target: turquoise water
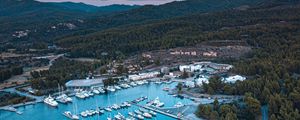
x,y
42,111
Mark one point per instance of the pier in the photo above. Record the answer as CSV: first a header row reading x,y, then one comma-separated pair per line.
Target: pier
x,y
158,111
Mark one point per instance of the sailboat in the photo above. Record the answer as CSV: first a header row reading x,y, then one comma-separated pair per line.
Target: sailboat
x,y
69,115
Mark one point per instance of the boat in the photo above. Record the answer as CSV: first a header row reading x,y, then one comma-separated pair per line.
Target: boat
x,y
85,93
158,82
90,93
118,117
138,112
161,104
83,114
80,95
118,88
131,114
140,117
111,89
50,101
96,91
147,115
133,84
166,89
179,104
108,109
153,113
63,98
68,114
108,118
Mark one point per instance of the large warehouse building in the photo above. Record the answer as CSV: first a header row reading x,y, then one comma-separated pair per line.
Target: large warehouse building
x,y
84,83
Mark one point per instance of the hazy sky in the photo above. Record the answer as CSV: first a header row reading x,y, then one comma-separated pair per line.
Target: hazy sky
x,y
109,2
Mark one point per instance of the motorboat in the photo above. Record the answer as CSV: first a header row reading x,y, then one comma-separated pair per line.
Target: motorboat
x,y
147,115
83,114
131,114
108,109
50,101
153,113
140,117
138,112
63,98
161,104
133,84
178,104
118,88
111,89
166,89
80,95
68,114
96,91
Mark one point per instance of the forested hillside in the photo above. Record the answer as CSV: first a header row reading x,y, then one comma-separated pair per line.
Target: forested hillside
x,y
27,25
183,31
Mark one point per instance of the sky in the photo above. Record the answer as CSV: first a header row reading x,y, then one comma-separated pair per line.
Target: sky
x,y
110,2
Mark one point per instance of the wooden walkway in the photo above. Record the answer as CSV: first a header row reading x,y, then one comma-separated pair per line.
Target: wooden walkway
x,y
158,111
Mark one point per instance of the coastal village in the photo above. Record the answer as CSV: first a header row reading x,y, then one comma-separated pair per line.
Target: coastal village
x,y
189,75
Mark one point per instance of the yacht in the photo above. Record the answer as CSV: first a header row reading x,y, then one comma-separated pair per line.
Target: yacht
x,y
63,98
96,91
50,101
138,112
179,104
152,113
131,114
140,117
118,88
133,84
147,115
80,95
111,89
70,115
108,109
83,114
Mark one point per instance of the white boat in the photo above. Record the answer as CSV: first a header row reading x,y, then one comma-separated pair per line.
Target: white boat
x,y
108,109
63,98
108,118
50,101
158,82
161,104
90,93
83,114
96,91
140,117
118,88
118,117
147,115
140,82
85,93
111,89
131,114
133,84
80,95
152,113
70,115
138,112
179,104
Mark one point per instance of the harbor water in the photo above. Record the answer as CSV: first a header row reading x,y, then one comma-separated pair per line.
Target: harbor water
x,y
41,111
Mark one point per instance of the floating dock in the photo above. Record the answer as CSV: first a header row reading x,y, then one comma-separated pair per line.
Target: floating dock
x,y
158,111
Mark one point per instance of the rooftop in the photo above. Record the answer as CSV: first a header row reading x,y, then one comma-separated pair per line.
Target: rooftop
x,y
85,82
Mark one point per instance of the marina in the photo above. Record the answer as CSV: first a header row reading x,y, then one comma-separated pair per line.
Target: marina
x,y
112,105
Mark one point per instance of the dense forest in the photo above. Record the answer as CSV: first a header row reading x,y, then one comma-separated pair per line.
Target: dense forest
x,y
183,31
60,72
273,66
64,22
6,73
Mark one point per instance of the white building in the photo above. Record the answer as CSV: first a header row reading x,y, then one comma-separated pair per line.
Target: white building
x,y
233,79
199,81
141,76
190,84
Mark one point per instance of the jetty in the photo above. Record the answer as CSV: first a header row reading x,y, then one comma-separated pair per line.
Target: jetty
x,y
158,111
